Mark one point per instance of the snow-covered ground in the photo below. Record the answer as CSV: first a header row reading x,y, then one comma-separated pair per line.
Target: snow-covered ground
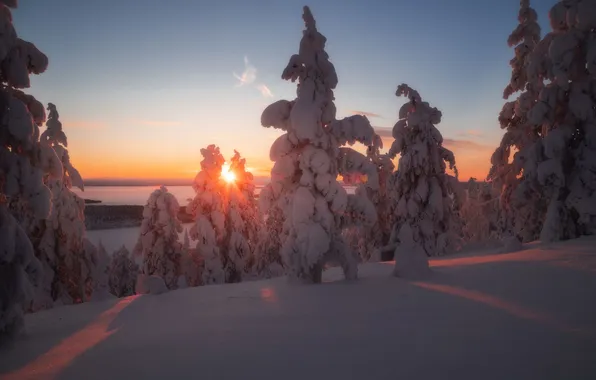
x,y
524,315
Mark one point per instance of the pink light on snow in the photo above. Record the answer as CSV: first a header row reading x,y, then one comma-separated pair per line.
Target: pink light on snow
x,y
49,365
268,295
514,309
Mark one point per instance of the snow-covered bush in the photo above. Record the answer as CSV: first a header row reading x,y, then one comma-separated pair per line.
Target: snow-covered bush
x,y
158,243
69,261
150,284
123,272
561,166
521,215
23,163
226,217
426,196
308,158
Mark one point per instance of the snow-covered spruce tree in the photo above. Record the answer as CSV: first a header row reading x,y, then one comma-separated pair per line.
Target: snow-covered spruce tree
x,y
122,273
562,165
23,162
69,261
521,217
227,218
308,159
367,239
425,194
208,209
158,243
242,221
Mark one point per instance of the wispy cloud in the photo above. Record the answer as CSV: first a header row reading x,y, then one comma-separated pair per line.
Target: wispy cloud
x,y
265,91
248,76
154,123
367,114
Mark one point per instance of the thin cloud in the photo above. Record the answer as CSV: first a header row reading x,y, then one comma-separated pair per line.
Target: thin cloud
x,y
155,123
248,76
367,114
265,91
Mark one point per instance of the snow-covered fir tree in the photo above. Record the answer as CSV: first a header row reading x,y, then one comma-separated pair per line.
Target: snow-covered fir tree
x,y
425,194
158,243
522,215
242,220
562,165
308,159
208,209
69,261
226,217
122,273
23,163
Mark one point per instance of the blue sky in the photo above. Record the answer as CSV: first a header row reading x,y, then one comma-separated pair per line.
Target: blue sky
x,y
141,86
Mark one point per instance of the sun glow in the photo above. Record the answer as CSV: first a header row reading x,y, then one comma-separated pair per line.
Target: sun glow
x,y
227,175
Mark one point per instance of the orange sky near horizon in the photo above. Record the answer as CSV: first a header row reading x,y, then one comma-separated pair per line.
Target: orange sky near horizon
x,y
472,159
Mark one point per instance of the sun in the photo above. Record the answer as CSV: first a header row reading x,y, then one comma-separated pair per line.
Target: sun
x,y
227,175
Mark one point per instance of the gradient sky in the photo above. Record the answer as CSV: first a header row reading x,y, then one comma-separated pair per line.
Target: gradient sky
x,y
142,85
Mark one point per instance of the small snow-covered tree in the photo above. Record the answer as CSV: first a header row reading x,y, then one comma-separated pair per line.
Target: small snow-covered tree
x,y
23,162
69,261
101,274
226,217
268,261
367,239
158,243
426,195
122,273
521,216
308,158
480,213
562,164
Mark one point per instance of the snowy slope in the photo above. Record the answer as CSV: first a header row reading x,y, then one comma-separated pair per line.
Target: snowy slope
x,y
524,315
